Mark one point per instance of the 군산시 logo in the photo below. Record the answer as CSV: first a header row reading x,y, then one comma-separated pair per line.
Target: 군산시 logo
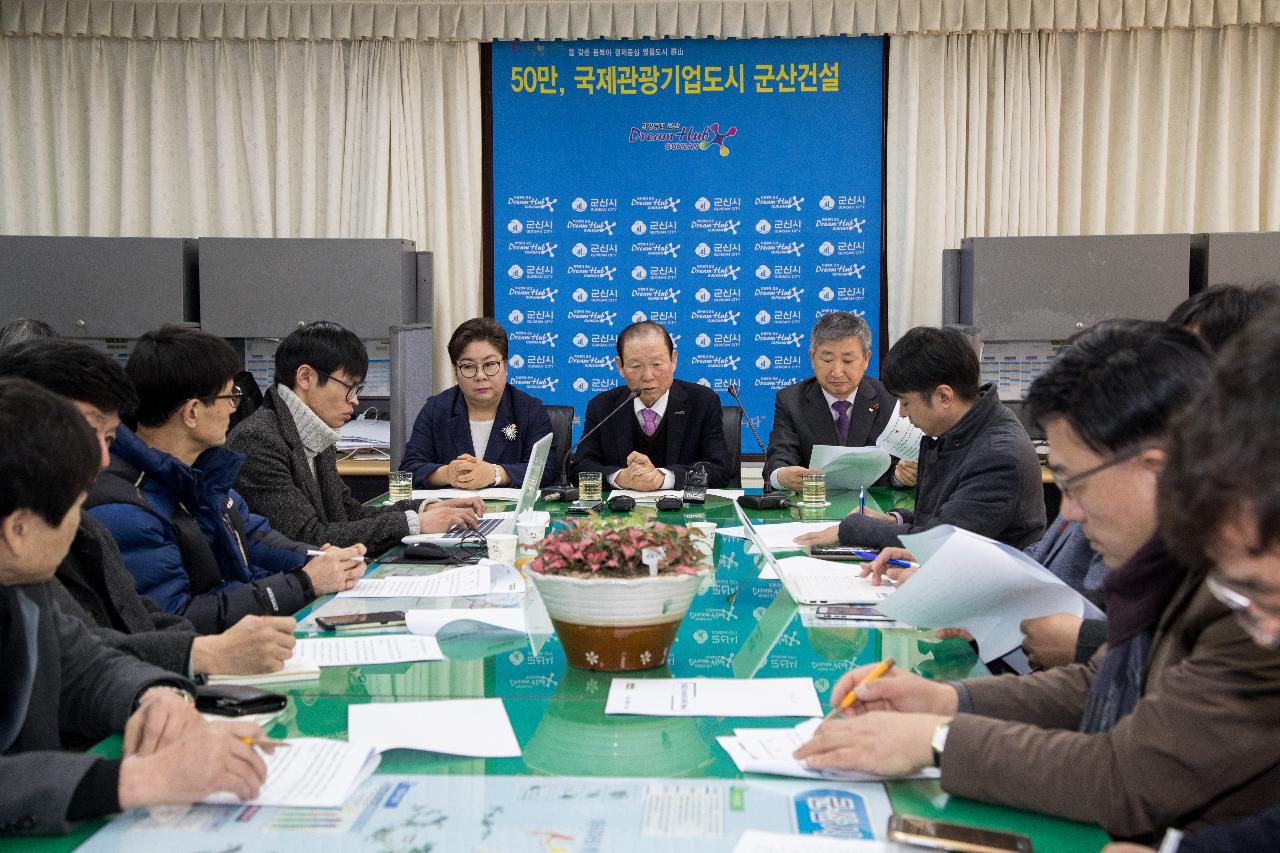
x,y
702,250
827,249
579,295
579,204
763,272
639,317
516,317
763,317
516,361
703,295
515,271
580,340
515,226
826,294
579,250
826,202
764,362
703,340
704,382
639,273
763,227
638,227
580,385
703,204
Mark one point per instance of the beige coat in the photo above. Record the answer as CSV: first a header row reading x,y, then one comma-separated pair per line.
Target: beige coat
x,y
1199,747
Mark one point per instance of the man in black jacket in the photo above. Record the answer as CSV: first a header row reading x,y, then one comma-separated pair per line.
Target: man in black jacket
x,y
59,677
92,581
670,426
978,469
839,405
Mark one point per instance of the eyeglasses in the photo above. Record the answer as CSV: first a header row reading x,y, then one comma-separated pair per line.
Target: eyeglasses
x,y
353,391
1066,484
236,395
469,369
1262,625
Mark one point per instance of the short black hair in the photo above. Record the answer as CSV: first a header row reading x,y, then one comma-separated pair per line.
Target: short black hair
x,y
645,327
327,347
1222,448
926,357
72,369
24,329
477,329
175,364
1120,382
48,453
1218,312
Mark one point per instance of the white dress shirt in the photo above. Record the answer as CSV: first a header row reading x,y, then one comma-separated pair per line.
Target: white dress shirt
x,y
659,406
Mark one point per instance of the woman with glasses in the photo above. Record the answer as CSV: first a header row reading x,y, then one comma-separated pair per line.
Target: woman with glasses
x,y
479,433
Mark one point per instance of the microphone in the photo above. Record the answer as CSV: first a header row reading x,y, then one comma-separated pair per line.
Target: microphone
x,y
563,490
769,499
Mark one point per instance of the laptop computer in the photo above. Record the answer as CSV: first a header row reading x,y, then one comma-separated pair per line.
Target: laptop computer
x,y
499,522
813,581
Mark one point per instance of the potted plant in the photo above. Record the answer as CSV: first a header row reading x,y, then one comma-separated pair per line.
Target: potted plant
x,y
616,589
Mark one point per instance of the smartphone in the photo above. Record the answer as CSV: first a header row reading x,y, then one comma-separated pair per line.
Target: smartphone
x,y
851,553
353,621
584,507
851,611
938,835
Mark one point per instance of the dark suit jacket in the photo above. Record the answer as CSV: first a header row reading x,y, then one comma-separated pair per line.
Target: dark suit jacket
x,y
277,483
695,433
802,418
58,677
442,433
93,584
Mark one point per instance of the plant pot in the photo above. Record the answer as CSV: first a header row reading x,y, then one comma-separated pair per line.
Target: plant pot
x,y
616,624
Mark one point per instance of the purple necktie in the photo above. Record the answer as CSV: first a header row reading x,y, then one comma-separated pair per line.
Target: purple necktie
x,y
650,425
842,408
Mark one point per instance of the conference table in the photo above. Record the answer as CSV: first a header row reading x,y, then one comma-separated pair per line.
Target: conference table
x,y
580,768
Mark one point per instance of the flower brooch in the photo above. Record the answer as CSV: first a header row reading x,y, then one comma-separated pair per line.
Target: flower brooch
x,y
509,432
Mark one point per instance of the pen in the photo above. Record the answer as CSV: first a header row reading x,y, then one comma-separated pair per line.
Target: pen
x,y
249,740
314,553
850,697
871,555
862,501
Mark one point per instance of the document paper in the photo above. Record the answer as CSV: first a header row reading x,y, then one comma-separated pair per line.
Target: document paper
x,y
714,697
986,587
462,581
497,493
477,727
429,622
365,651
814,581
310,772
779,537
770,751
901,437
850,467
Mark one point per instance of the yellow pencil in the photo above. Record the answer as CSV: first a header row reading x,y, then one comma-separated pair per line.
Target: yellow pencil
x,y
851,697
268,743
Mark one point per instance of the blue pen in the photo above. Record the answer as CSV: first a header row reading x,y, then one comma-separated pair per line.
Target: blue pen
x,y
871,555
862,501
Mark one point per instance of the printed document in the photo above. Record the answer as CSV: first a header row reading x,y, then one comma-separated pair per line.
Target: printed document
x,y
850,467
778,537
497,493
714,697
770,751
477,727
901,438
365,651
986,587
310,773
429,622
296,668
461,581
814,581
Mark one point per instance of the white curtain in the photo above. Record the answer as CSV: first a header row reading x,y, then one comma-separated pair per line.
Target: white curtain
x,y
110,137
1149,131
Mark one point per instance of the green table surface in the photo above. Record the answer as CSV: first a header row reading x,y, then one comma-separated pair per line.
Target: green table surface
x,y
739,626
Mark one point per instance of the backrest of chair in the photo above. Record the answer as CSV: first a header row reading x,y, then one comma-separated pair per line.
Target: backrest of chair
x,y
731,420
561,429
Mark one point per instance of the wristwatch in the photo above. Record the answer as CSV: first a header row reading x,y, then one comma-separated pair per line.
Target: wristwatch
x,y
497,475
939,742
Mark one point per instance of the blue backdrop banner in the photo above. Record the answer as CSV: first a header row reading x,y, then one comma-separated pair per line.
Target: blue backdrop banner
x,y
729,190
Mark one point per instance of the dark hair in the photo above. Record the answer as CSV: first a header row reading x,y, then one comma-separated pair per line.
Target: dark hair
x,y
72,370
327,347
1120,382
1222,448
644,327
925,358
477,329
1218,312
173,365
48,453
23,329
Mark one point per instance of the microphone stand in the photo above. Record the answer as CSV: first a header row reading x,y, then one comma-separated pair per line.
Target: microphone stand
x,y
769,499
563,490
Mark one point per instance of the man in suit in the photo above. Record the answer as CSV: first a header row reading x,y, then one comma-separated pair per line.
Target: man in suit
x,y
672,426
290,472
58,677
839,405
92,582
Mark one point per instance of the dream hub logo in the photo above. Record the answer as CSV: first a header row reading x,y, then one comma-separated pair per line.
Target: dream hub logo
x,y
718,139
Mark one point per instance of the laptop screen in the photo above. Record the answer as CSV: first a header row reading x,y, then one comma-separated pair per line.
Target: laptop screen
x,y
533,474
754,538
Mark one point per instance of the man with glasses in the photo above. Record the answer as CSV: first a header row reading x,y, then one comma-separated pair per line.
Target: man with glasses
x,y
290,473
1159,727
1220,508
190,542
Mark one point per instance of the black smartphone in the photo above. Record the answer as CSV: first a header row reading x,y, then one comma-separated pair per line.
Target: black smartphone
x,y
939,835
849,553
584,507
353,621
851,611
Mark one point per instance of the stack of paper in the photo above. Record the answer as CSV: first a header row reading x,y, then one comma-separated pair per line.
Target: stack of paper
x,y
429,622
901,438
770,751
986,587
713,697
364,434
296,668
311,773
779,537
368,650
478,727
814,581
497,493
481,579
850,467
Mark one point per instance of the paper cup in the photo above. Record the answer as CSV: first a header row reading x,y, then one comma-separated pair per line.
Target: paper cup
x,y
502,547
530,533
